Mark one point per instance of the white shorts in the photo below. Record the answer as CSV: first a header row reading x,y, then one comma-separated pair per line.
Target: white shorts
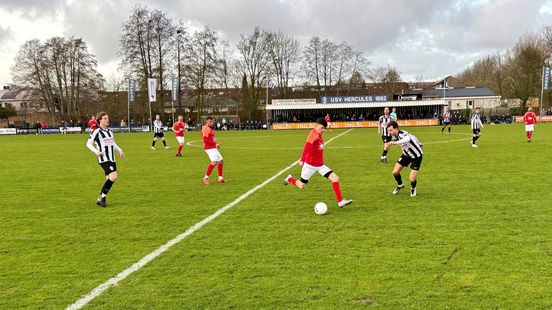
x,y
308,171
214,154
180,139
530,127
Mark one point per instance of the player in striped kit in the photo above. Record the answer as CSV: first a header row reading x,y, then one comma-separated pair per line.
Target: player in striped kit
x,y
382,129
102,143
446,121
530,120
476,126
412,155
312,161
158,132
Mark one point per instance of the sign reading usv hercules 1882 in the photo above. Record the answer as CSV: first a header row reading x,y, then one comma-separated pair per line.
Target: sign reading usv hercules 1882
x,y
352,99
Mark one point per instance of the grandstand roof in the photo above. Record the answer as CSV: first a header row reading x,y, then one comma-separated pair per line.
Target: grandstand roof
x,y
458,92
417,103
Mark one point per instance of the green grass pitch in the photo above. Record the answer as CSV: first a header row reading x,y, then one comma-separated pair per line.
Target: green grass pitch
x,y
477,236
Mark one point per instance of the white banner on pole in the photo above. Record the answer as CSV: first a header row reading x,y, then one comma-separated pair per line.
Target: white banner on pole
x,y
152,90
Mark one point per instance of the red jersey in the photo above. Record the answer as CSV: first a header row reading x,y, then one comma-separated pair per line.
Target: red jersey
x,y
178,127
208,135
313,154
327,118
530,118
92,124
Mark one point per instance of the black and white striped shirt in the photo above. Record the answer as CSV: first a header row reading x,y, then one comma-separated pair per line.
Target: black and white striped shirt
x,y
103,141
384,121
157,126
476,122
446,117
410,145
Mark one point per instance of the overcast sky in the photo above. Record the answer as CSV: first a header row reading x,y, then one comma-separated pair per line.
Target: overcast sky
x,y
419,37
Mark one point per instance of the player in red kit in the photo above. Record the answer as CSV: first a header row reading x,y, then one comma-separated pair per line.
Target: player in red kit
x,y
179,128
530,120
327,119
92,123
312,161
211,148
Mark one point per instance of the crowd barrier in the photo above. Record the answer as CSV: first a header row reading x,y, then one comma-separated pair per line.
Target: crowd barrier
x,y
540,119
365,124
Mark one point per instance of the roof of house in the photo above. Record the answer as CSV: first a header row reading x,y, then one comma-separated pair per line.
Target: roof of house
x,y
13,93
458,92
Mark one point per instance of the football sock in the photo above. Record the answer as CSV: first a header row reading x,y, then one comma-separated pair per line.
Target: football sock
x,y
443,129
209,170
449,129
337,191
153,143
164,143
398,178
384,153
292,181
106,187
414,184
179,149
529,135
219,168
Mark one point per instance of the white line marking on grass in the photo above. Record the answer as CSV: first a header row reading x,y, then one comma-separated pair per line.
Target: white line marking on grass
x,y
151,256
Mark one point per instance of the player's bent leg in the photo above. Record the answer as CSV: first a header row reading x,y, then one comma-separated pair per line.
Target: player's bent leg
x,y
301,183
397,175
219,169
397,169
113,176
413,182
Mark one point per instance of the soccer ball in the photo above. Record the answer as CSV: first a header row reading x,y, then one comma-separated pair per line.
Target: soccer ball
x,y
320,208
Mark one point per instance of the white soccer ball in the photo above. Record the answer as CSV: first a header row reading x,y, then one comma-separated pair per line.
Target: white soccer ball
x,y
320,208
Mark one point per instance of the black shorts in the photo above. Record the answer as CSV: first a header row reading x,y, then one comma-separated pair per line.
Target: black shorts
x,y
446,123
414,163
386,139
109,167
158,135
476,131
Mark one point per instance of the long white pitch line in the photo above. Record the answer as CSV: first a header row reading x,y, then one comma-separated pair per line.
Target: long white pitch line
x,y
151,256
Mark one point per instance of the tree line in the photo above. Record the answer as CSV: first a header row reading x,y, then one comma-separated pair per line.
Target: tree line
x,y
62,73
516,72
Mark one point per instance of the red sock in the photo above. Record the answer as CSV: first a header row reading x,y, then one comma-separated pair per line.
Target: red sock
x,y
209,169
219,167
292,181
529,135
179,149
337,191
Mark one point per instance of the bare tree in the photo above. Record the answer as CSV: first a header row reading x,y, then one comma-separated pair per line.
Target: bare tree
x,y
283,51
312,61
163,36
224,69
254,64
60,73
523,68
201,64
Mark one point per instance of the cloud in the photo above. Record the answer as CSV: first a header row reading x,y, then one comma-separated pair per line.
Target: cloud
x,y
6,33
98,24
423,37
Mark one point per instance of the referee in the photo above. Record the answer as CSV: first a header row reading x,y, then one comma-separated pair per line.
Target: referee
x,y
102,143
